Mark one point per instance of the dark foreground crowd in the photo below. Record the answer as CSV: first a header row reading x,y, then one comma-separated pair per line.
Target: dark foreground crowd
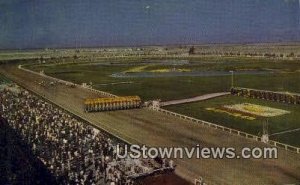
x,y
73,151
17,163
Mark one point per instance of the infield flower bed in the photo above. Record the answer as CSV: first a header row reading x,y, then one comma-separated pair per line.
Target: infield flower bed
x,y
249,111
256,110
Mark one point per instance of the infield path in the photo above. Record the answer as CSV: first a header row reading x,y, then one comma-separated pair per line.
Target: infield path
x,y
144,126
194,99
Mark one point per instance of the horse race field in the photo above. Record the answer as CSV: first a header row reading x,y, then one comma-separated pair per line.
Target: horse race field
x,y
178,79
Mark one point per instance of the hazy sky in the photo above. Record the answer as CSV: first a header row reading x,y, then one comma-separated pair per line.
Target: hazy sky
x,y
67,23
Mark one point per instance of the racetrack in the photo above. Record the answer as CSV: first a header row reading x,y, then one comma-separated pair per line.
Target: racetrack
x,y
143,126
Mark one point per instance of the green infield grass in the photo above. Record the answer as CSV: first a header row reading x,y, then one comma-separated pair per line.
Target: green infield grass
x,y
274,75
276,124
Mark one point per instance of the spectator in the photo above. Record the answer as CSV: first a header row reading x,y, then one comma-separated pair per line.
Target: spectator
x,y
75,152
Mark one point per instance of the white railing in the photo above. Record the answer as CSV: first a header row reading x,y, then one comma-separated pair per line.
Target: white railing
x,y
229,130
102,93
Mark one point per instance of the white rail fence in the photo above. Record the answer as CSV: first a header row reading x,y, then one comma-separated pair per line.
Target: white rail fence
x,y
229,130
102,93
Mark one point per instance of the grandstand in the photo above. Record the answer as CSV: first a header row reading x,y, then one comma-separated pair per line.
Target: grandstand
x,y
16,153
73,151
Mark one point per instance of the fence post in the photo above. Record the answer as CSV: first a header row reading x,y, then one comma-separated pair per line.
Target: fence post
x,y
246,135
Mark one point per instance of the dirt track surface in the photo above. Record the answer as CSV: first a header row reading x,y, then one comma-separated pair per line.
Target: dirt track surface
x,y
144,126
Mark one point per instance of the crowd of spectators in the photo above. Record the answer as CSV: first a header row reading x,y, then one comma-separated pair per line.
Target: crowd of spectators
x,y
17,163
74,151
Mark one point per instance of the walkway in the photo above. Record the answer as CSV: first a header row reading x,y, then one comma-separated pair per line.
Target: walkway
x,y
194,99
284,132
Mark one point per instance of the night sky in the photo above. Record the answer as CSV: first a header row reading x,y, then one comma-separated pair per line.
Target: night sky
x,y
90,23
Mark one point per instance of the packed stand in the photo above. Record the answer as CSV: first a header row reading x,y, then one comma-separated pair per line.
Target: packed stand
x,y
75,152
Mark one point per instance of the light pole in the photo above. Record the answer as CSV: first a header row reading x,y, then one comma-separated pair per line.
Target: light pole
x,y
231,78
